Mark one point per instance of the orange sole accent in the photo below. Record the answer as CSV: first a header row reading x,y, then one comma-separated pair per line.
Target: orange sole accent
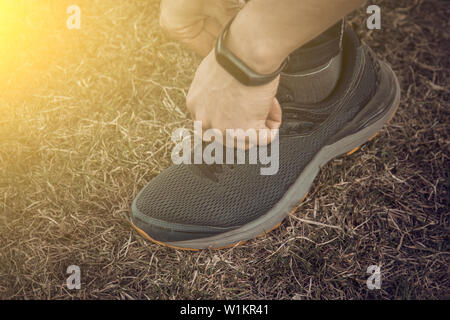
x,y
357,148
299,204
146,236
238,244
353,151
268,231
373,137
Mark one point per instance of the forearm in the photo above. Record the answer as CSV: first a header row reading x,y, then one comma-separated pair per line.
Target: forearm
x,y
265,32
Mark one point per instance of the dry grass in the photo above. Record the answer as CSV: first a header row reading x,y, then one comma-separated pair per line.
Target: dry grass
x,y
81,135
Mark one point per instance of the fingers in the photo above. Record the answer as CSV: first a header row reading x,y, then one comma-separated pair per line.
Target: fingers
x,y
202,43
198,36
213,27
241,134
246,139
197,23
265,131
223,10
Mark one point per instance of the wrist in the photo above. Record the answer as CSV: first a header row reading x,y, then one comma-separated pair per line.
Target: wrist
x,y
246,41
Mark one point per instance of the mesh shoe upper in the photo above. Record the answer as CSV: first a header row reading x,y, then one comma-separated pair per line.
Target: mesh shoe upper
x,y
241,194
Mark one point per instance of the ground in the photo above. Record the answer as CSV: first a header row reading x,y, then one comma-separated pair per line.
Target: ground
x,y
85,122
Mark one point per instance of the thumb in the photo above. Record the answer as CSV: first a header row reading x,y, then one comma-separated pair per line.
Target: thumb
x,y
272,124
275,115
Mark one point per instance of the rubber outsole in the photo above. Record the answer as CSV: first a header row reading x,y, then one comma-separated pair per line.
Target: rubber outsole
x,y
146,236
290,203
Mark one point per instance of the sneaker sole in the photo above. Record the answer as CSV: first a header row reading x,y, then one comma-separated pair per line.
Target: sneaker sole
x,y
389,87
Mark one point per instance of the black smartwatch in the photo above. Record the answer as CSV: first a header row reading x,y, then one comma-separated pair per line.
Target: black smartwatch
x,y
237,68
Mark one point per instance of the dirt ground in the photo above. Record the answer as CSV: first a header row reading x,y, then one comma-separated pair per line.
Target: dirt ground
x,y
85,122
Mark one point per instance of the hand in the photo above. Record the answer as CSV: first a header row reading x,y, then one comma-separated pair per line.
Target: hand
x,y
221,102
197,23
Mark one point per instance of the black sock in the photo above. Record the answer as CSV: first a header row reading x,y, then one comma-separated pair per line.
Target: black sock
x,y
318,51
315,67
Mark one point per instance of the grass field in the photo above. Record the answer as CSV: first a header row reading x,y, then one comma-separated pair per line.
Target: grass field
x,y
85,122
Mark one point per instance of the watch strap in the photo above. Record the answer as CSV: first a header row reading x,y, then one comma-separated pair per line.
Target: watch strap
x,y
237,68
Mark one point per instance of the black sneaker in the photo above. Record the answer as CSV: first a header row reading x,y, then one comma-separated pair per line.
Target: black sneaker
x,y
218,206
